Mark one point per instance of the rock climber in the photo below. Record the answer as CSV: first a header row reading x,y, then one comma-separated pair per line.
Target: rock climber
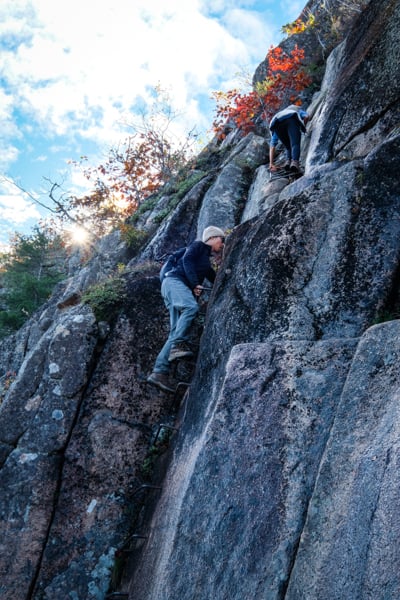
x,y
180,288
287,126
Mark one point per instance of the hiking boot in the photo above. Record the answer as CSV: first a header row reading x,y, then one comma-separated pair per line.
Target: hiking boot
x,y
295,166
162,381
180,350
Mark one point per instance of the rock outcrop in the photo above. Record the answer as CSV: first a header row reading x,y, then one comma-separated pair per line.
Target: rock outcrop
x,y
280,480
289,361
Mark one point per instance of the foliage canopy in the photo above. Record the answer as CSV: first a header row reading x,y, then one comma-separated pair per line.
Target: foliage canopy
x,y
286,74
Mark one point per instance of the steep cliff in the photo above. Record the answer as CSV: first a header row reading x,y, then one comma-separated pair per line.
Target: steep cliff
x,y
280,480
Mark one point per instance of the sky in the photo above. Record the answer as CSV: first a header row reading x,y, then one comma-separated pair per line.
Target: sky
x,y
74,73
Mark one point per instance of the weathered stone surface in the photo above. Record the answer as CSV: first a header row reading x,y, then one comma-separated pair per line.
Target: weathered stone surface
x,y
41,404
238,492
310,268
29,484
224,202
36,419
96,506
320,263
349,547
363,101
73,443
179,229
263,193
110,250
14,348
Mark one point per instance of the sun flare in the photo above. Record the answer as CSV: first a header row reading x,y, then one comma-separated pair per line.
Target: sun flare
x,y
79,235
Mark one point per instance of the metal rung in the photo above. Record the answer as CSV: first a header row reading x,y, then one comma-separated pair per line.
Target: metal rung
x,y
160,427
119,595
182,384
147,486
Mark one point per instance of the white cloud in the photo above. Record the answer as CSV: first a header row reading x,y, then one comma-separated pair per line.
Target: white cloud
x,y
8,131
8,154
15,206
246,26
80,62
73,71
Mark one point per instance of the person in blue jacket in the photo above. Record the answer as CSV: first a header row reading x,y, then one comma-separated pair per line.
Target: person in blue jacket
x,y
287,126
179,289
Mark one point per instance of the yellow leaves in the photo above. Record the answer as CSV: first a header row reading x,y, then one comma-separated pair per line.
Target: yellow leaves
x,y
262,87
299,25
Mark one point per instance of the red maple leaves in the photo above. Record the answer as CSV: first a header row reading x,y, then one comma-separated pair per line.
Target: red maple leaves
x,y
286,74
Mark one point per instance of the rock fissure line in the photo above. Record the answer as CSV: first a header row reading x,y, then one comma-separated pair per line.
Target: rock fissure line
x,y
308,279
92,366
372,517
305,514
368,125
32,586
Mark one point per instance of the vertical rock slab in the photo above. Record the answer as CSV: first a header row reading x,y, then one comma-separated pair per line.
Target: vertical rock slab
x,y
262,193
96,502
320,263
36,420
224,202
362,105
238,490
28,483
349,549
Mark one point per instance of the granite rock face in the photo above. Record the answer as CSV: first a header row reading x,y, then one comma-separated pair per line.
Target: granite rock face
x,y
281,480
321,262
348,544
36,422
253,503
75,427
356,116
289,489
224,201
239,489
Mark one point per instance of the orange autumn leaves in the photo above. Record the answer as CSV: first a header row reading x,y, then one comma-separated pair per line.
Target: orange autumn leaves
x,y
285,74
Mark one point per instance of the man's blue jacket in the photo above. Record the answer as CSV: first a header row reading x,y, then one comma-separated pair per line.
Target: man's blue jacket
x,y
194,266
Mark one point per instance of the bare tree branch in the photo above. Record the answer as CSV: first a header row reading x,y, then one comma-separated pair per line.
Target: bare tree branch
x,y
60,207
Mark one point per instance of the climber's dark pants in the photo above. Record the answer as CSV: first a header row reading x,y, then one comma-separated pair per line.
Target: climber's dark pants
x,y
289,132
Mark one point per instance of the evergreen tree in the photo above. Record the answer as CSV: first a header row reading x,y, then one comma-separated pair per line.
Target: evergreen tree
x,y
29,272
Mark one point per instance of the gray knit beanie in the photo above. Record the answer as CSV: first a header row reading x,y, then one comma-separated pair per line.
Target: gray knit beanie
x,y
212,231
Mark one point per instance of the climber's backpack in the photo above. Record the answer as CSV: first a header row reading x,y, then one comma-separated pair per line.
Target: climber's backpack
x,y
171,262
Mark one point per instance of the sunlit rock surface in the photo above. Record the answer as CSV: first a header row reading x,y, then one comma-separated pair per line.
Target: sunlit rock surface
x,y
280,480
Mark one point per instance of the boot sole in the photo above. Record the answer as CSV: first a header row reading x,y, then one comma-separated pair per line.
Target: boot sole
x,y
160,386
180,355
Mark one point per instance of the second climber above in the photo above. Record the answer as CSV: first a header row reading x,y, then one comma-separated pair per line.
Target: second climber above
x,y
287,126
